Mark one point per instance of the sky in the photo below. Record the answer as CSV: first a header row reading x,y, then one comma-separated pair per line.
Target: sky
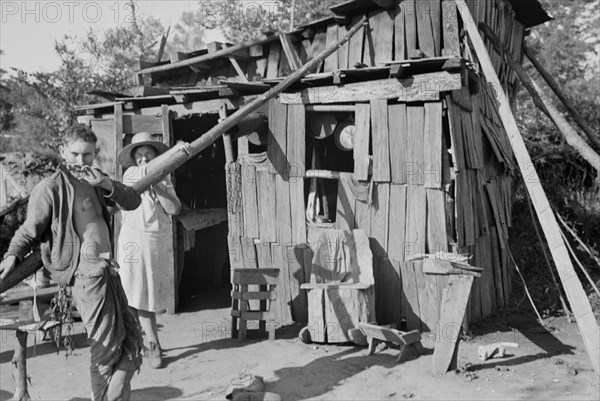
x,y
29,28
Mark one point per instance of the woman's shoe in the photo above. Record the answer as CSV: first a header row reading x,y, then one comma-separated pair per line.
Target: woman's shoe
x,y
155,356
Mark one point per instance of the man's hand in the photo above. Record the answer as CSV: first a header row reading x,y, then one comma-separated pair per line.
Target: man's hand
x,y
95,177
8,263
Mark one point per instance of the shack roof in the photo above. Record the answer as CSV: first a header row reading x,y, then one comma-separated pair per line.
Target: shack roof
x,y
227,87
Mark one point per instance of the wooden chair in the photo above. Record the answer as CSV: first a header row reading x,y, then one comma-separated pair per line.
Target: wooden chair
x,y
341,291
378,334
245,283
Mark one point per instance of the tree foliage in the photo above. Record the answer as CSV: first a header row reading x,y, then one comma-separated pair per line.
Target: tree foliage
x,y
43,102
568,48
242,21
6,108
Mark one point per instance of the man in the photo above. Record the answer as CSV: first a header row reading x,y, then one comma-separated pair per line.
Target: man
x,y
68,213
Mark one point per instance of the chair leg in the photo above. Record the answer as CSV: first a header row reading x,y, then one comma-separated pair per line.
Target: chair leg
x,y
271,328
234,329
373,342
243,310
243,329
401,354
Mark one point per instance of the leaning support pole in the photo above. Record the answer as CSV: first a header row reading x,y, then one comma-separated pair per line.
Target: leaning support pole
x,y
568,105
544,104
573,288
176,156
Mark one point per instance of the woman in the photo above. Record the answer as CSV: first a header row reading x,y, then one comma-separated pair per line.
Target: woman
x,y
145,253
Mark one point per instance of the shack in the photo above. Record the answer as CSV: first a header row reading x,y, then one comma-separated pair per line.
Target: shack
x,y
396,133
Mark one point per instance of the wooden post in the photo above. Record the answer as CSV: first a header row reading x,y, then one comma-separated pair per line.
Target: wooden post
x,y
568,105
20,362
544,104
227,145
454,305
175,157
573,288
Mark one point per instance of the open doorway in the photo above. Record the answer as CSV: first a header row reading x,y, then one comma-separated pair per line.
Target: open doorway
x,y
202,263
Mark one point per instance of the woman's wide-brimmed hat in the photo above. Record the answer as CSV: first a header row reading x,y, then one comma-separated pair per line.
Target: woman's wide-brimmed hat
x,y
125,156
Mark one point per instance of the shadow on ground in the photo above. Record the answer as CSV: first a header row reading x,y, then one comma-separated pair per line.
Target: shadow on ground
x,y
522,328
42,348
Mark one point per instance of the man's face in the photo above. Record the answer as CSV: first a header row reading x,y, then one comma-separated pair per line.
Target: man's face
x,y
78,153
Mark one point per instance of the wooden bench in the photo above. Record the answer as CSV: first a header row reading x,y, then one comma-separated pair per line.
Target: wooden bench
x,y
379,334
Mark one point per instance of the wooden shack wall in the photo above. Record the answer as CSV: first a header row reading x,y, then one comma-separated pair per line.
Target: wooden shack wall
x,y
267,213
484,163
411,211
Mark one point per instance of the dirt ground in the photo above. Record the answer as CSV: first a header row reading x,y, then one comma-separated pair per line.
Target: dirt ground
x,y
201,359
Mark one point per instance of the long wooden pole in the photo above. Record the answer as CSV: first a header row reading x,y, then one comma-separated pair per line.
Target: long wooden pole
x,y
540,99
573,288
566,102
29,265
210,56
166,163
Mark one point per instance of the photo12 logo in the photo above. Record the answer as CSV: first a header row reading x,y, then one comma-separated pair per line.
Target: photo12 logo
x,y
62,12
